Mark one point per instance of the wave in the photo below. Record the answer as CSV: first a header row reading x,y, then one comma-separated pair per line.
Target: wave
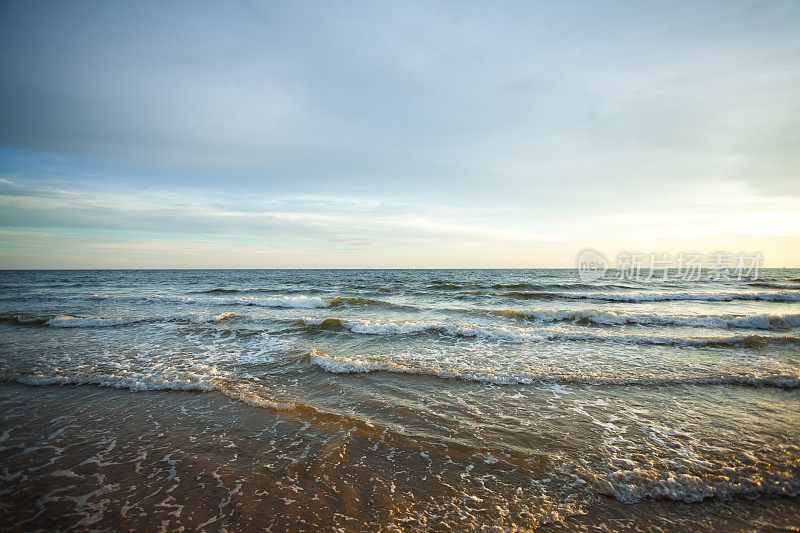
x,y
632,486
274,301
223,291
288,302
785,296
269,301
349,365
519,335
764,321
138,383
71,321
26,320
471,288
257,291
148,383
768,285
567,286
355,301
450,286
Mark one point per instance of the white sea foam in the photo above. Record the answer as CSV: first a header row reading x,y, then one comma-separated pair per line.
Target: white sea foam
x,y
766,321
280,301
133,383
345,365
512,334
501,376
71,321
635,485
223,316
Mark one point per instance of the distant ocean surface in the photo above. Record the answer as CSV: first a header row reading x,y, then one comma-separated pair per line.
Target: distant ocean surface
x,y
405,399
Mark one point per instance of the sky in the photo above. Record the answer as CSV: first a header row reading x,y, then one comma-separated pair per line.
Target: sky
x,y
396,134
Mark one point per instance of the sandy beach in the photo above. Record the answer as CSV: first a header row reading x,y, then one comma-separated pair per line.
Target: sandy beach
x,y
93,458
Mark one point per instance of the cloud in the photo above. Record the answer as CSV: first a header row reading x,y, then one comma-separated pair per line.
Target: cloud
x,y
429,128
355,241
424,94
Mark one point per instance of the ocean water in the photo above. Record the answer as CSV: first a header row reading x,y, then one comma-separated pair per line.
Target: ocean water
x,y
397,399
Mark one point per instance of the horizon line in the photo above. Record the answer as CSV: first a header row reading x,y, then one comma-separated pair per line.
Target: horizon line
x,y
325,268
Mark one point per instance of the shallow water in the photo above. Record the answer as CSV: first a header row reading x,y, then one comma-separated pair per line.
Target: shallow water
x,y
411,398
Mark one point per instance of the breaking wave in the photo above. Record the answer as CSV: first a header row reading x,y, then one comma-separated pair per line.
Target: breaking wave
x,y
521,335
71,321
785,296
148,383
602,317
768,285
350,365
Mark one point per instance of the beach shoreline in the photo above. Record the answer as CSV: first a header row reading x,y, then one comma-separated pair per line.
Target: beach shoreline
x,y
415,400
94,458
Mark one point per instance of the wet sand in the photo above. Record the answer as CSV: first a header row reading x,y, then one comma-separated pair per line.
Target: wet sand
x,y
95,458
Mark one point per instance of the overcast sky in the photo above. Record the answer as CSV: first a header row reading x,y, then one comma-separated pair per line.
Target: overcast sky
x,y
395,134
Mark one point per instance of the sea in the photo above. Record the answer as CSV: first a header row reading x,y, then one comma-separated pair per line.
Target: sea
x,y
398,400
